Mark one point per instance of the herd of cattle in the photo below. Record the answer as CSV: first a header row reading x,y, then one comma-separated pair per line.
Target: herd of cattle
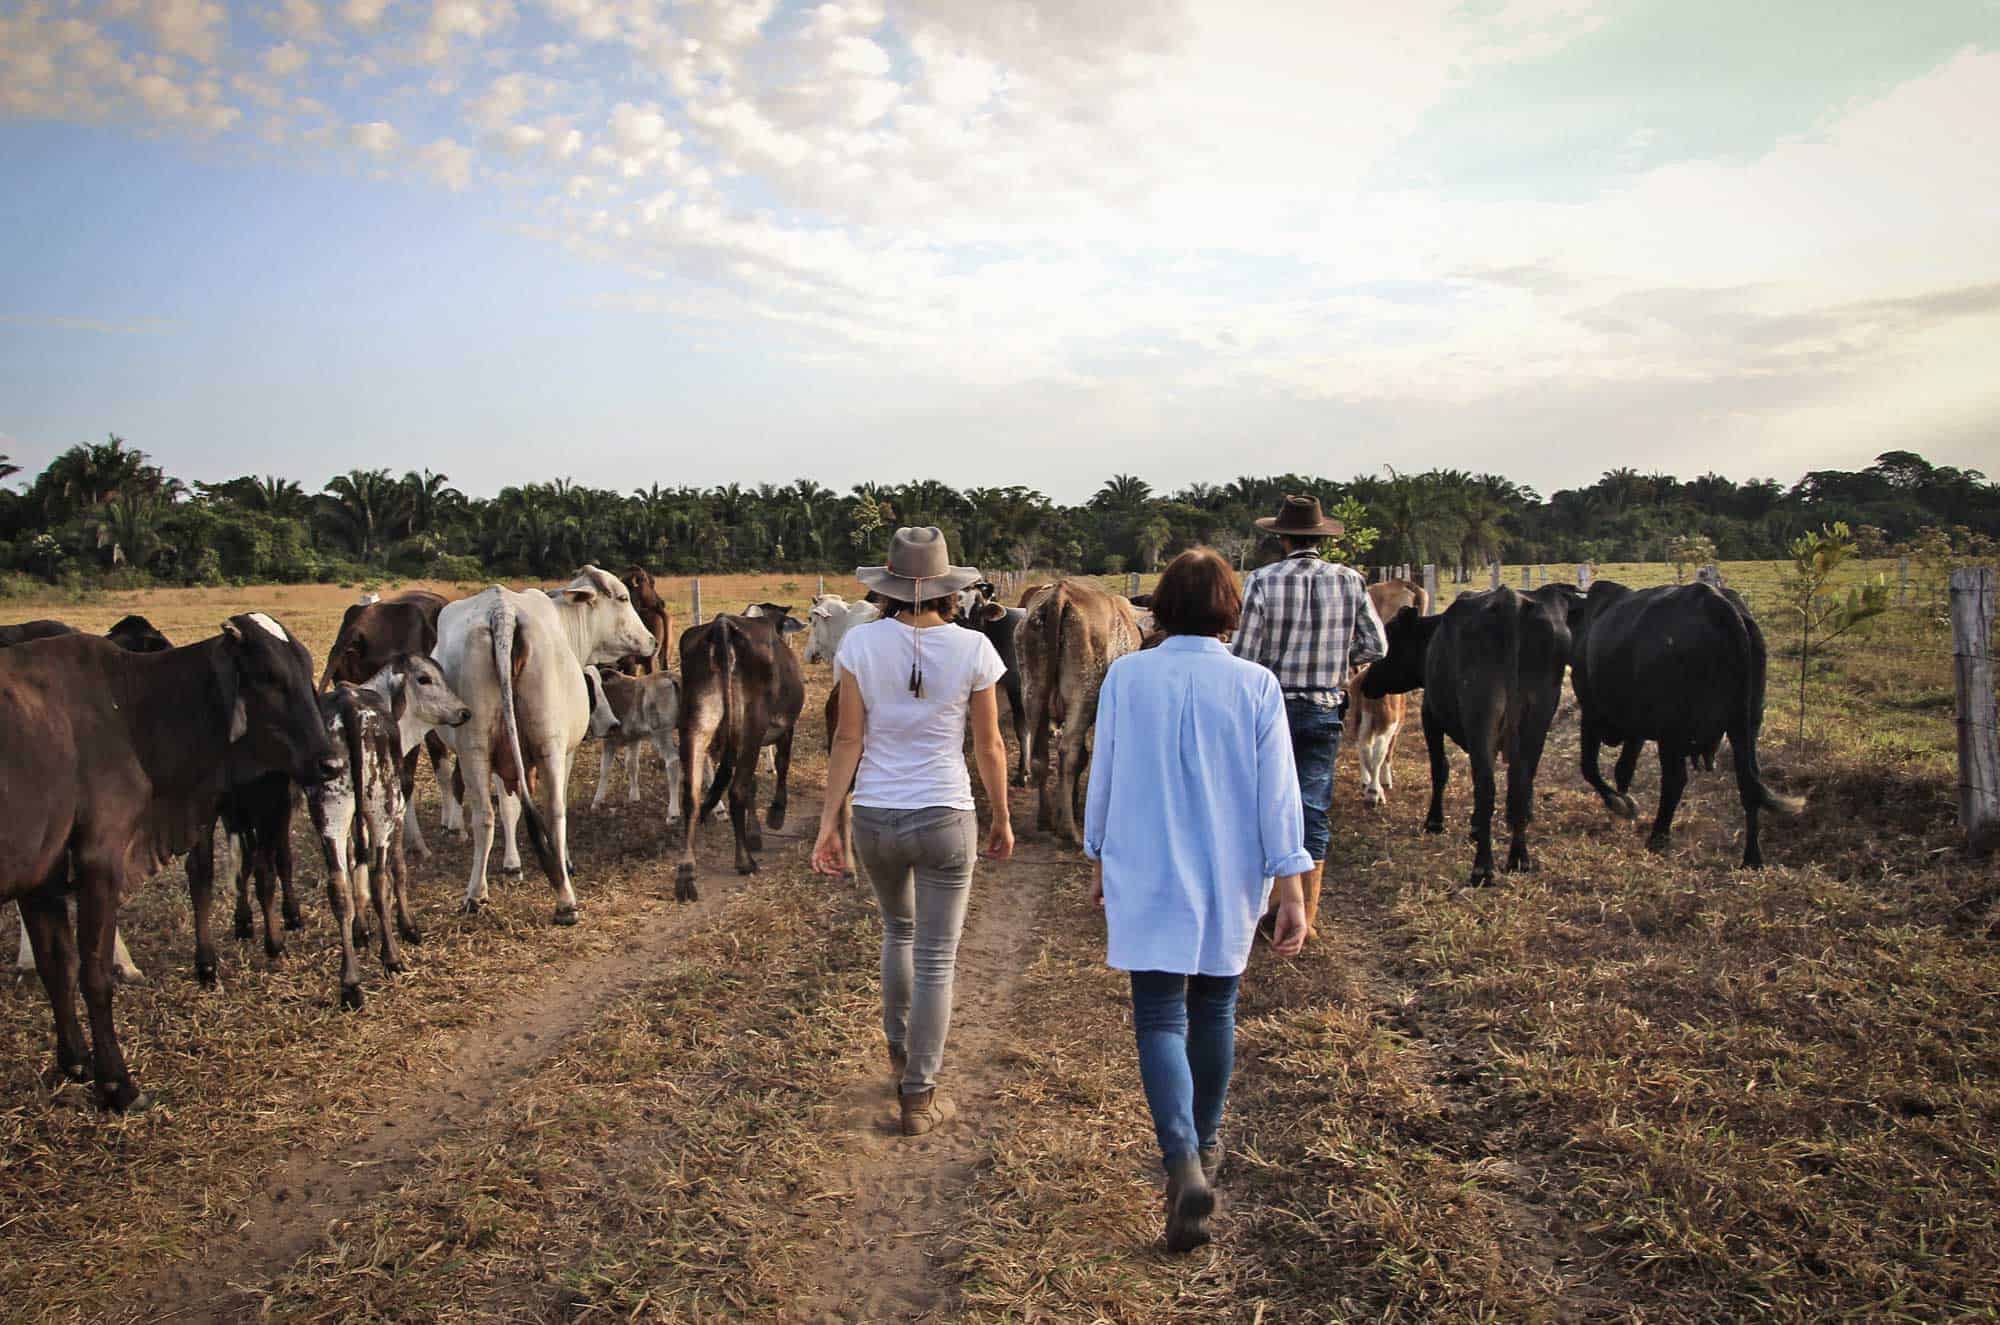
x,y
125,752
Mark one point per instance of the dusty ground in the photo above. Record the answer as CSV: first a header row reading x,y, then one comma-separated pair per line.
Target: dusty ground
x,y
1624,1087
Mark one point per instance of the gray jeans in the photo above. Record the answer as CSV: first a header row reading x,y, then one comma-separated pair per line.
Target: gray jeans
x,y
920,862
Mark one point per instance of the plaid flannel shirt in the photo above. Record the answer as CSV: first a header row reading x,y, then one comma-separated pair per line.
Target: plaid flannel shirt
x,y
1311,622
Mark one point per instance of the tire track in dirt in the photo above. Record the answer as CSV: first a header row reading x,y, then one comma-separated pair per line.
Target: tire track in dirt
x,y
307,1193
903,1197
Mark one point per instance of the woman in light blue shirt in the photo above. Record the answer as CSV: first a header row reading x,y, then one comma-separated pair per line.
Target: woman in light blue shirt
x,y
1193,811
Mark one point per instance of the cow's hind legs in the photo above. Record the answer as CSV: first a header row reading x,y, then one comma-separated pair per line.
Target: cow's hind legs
x,y
1532,734
46,918
782,796
1480,755
96,922
1440,773
340,900
1673,782
201,898
1590,737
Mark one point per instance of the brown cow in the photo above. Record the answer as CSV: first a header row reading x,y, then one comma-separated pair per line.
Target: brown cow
x,y
1072,634
741,689
116,760
1377,721
653,613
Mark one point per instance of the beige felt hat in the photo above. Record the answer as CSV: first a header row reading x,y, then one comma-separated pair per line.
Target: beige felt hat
x,y
919,568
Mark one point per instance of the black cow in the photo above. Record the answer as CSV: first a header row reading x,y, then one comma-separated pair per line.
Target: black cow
x,y
1491,668
33,630
135,634
1681,666
741,689
116,760
998,622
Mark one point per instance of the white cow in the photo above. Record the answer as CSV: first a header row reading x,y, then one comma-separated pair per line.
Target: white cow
x,y
122,964
829,621
518,658
643,708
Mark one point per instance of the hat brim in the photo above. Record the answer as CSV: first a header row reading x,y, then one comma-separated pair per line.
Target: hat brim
x,y
1326,528
882,580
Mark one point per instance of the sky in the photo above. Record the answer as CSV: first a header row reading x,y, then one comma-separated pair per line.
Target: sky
x,y
1000,241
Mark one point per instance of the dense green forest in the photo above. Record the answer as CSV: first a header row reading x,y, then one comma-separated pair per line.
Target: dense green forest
x,y
106,509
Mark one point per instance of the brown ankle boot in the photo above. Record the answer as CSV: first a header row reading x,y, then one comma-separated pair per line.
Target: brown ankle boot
x,y
1190,1201
925,1111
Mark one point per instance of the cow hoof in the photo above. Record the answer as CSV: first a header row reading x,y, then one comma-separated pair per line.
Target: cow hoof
x,y
469,907
747,867
293,920
565,915
274,951
243,928
753,842
1480,879
514,869
128,975
206,976
350,997
1623,806
775,820
1525,865
396,967
61,1074
1433,825
123,1097
412,935
1657,843
1753,860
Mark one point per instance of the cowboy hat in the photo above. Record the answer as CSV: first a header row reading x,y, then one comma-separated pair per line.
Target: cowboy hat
x,y
919,568
1301,518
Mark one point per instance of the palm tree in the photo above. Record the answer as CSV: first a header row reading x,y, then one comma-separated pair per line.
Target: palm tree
x,y
363,506
1122,493
428,500
8,468
278,496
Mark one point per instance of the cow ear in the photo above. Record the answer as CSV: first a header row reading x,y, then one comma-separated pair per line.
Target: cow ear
x,y
579,594
231,629
790,625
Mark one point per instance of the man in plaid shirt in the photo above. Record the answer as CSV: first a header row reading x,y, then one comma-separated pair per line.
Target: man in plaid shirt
x,y
1311,622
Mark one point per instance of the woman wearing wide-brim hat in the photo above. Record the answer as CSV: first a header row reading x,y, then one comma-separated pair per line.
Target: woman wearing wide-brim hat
x,y
909,684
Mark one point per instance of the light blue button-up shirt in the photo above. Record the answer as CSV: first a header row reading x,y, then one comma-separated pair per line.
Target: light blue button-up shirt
x,y
1193,808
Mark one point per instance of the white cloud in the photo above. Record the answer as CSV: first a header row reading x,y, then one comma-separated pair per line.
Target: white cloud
x,y
182,27
377,137
299,19
284,60
363,13
448,162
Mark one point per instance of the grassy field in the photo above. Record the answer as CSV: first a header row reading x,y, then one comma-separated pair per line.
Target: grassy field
x,y
1625,1087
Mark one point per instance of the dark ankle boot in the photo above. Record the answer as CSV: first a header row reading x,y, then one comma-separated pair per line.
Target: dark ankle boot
x,y
1190,1201
925,1111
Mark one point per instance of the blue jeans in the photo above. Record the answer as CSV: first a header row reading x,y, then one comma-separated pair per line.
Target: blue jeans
x,y
1186,1027
1315,748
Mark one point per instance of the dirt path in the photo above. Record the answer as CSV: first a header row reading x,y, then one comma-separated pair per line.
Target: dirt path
x,y
307,1193
902,1199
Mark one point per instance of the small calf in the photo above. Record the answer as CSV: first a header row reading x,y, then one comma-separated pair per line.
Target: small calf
x,y
643,709
359,814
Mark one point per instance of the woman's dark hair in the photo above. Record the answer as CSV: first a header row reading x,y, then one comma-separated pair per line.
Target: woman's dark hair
x,y
946,607
1197,595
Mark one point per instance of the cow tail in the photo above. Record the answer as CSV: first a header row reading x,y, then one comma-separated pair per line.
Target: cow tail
x,y
1750,647
351,733
504,623
725,666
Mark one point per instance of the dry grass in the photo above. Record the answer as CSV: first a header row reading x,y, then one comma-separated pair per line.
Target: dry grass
x,y
1625,1087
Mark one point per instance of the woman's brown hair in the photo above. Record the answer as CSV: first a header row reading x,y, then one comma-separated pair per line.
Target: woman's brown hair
x,y
1197,595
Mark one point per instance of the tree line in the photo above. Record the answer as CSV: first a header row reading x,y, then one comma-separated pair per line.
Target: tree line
x,y
104,509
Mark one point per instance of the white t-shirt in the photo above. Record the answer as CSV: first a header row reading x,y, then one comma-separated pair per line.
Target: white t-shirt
x,y
913,751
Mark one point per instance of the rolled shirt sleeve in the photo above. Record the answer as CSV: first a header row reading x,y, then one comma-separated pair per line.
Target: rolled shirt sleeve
x,y
1097,796
1281,819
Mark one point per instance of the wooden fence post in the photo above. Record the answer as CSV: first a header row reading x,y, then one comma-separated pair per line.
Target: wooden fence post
x,y
1583,575
694,589
1494,567
1972,606
1131,583
1431,585
1902,582
1709,574
821,591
